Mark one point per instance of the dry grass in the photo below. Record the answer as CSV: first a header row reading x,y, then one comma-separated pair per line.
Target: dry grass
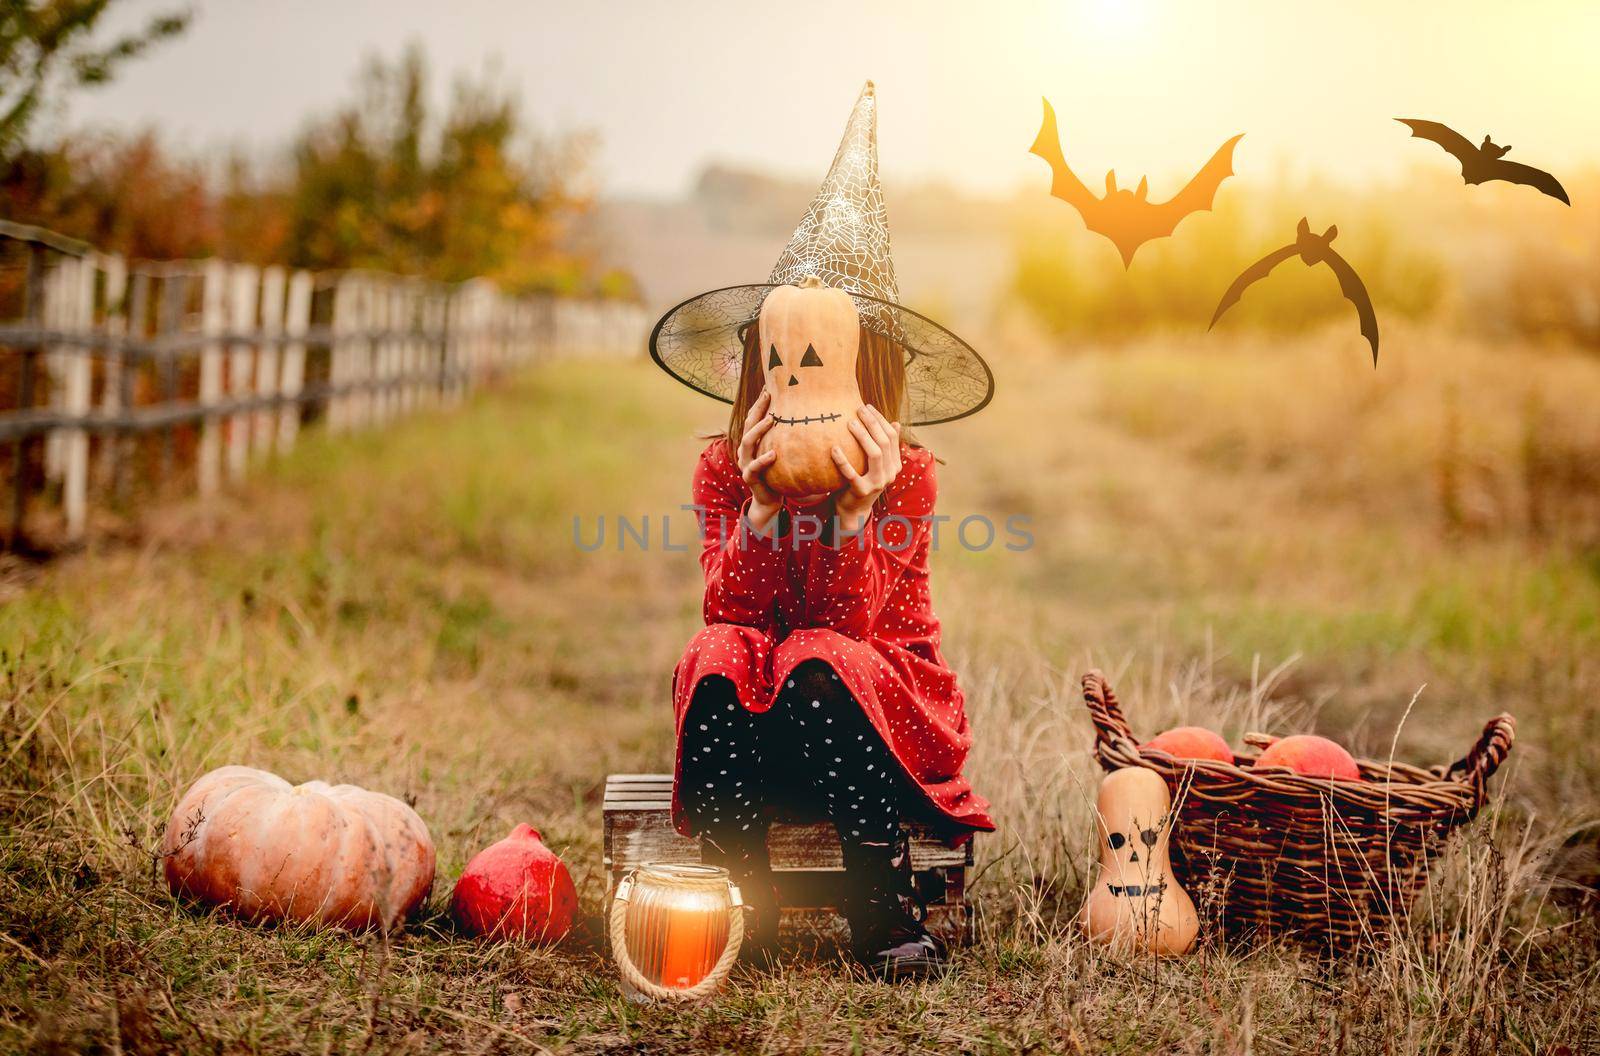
x,y
408,611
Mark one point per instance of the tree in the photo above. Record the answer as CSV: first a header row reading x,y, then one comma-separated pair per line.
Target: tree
x,y
120,194
384,183
45,44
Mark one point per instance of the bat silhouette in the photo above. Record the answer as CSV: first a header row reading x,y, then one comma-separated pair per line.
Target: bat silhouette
x,y
1126,217
1314,250
1486,161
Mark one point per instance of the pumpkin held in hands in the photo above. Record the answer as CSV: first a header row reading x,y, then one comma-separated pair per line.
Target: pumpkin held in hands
x,y
810,336
1310,755
320,854
516,889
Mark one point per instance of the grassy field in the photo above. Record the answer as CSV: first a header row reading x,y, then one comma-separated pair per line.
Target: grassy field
x,y
1254,537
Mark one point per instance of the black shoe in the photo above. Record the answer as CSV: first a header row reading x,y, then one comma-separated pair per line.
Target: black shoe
x,y
886,918
751,871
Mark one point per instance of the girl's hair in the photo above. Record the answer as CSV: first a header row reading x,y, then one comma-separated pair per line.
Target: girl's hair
x,y
880,374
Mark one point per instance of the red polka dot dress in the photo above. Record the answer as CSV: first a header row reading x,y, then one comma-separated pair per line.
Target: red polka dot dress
x,y
861,606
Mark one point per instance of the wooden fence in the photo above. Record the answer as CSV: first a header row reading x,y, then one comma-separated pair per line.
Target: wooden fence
x,y
183,373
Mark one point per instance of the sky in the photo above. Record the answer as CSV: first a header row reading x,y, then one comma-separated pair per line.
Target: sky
x,y
1142,86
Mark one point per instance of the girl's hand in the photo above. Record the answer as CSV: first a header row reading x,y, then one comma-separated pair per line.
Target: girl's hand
x,y
764,502
880,439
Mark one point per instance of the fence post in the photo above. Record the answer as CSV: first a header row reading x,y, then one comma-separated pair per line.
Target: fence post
x,y
76,402
268,357
395,323
338,355
119,396
411,349
297,319
400,322
480,336
213,321
56,316
429,351
547,326
445,318
115,326
382,345
361,349
54,284
525,350
174,305
502,332
457,324
464,324
483,327
21,475
246,280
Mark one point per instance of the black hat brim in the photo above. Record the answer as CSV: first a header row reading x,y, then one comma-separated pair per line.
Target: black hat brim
x,y
700,343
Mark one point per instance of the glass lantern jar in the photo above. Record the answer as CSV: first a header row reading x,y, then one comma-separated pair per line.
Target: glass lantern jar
x,y
675,930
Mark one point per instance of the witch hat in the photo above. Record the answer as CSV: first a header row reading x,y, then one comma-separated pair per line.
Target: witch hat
x,y
843,240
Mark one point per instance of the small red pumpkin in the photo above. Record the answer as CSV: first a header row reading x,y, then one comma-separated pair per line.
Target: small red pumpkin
x,y
516,889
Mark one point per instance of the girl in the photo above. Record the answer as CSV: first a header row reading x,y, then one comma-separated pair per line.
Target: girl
x,y
818,681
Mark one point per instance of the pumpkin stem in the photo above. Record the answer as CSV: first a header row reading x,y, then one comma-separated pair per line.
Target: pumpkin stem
x,y
811,282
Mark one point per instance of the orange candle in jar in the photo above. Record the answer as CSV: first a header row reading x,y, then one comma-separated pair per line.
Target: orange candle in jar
x,y
687,956
672,930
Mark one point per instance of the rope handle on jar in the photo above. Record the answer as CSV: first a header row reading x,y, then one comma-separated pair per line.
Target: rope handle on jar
x,y
630,971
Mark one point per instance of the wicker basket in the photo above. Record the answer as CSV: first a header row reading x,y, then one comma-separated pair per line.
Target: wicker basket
x,y
1325,862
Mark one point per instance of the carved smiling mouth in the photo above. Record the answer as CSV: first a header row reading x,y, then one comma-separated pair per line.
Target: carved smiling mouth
x,y
1137,890
807,420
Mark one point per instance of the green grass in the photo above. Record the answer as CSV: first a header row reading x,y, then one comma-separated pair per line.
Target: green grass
x,y
407,610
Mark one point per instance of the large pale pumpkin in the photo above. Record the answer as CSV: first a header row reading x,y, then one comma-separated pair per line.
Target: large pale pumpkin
x,y
327,855
812,335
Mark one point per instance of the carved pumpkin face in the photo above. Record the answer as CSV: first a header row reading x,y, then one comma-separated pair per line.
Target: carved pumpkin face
x,y
1134,853
810,337
1137,903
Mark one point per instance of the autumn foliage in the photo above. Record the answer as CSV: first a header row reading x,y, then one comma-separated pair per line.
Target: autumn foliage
x,y
384,182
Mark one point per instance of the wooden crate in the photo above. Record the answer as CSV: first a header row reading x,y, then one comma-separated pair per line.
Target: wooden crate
x,y
806,861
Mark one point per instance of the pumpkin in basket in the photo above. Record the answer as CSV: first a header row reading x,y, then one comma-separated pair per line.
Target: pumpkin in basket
x,y
320,854
812,337
1329,863
1190,742
1313,756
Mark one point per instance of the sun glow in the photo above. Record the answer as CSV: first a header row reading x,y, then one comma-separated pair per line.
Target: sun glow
x,y
1116,17
1102,22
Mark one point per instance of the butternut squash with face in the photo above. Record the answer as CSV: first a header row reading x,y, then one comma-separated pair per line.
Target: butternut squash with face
x,y
1136,905
811,336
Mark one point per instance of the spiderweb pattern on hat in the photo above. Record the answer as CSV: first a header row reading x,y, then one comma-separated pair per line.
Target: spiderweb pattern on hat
x,y
843,240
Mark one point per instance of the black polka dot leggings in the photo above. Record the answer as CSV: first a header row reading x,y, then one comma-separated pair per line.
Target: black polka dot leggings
x,y
726,751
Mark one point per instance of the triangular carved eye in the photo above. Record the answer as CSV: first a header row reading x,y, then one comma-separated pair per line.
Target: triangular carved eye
x,y
773,360
810,359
